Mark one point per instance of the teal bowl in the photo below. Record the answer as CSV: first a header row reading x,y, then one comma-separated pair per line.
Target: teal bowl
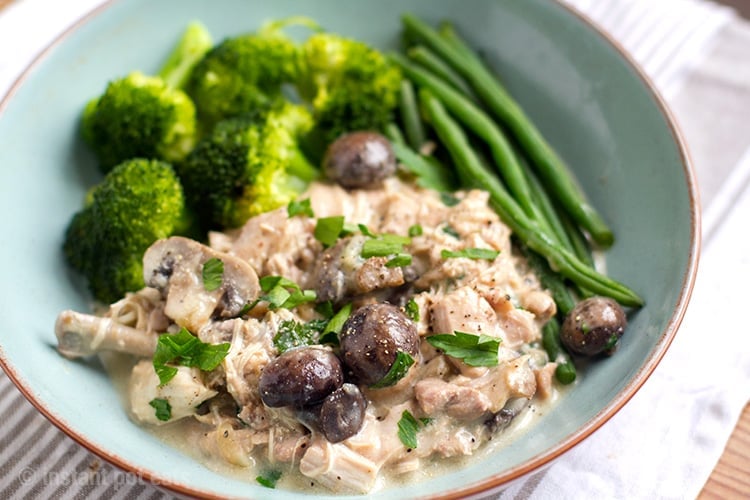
x,y
594,105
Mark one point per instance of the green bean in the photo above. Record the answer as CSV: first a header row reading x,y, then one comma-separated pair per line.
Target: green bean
x,y
473,174
394,133
430,61
430,173
410,118
550,166
578,241
481,124
551,281
546,207
565,372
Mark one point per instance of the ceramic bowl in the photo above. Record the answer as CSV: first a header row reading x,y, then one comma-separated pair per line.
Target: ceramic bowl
x,y
592,103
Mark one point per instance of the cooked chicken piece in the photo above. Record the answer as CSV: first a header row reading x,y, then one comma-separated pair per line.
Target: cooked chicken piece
x,y
276,245
509,379
174,266
343,272
83,334
544,381
463,403
337,467
540,304
464,310
183,393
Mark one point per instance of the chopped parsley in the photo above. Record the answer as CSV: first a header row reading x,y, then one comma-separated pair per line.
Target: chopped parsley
x,y
384,245
330,334
415,230
213,274
449,199
400,260
269,478
471,253
293,334
162,407
301,207
408,427
412,310
328,229
280,292
398,370
451,232
474,350
365,230
185,349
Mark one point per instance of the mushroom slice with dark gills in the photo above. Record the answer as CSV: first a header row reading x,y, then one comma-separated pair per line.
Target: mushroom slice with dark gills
x,y
342,272
175,266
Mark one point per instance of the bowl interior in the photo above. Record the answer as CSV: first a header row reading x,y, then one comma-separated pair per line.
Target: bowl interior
x,y
590,103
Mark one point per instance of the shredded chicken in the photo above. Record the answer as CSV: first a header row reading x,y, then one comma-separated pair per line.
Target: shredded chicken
x,y
457,407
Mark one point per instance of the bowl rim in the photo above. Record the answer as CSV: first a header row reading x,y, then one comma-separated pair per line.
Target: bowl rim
x,y
502,479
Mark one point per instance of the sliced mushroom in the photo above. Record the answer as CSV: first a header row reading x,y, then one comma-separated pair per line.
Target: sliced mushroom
x,y
83,334
174,266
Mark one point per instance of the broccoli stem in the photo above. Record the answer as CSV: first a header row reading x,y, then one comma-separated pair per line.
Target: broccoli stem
x,y
474,174
410,118
550,166
192,46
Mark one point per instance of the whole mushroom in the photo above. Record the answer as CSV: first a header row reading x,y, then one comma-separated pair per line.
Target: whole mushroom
x,y
359,160
593,326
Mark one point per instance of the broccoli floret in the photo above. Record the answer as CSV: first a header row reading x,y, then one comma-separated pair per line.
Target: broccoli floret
x,y
248,165
350,85
242,73
138,202
147,116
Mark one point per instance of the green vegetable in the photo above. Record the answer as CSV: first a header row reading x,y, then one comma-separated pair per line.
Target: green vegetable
x,y
243,73
137,203
248,165
269,479
384,245
549,165
349,85
213,274
471,253
474,350
300,207
400,260
330,334
162,407
566,370
410,118
449,199
192,46
412,310
293,334
430,173
283,293
475,119
474,174
409,427
144,116
328,229
450,231
433,63
415,230
185,349
398,370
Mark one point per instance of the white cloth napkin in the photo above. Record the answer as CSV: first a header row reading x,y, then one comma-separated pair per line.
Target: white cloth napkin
x,y
666,441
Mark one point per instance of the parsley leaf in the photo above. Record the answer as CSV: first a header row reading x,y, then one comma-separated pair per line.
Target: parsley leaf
x,y
185,349
301,207
162,407
412,310
281,292
474,350
415,230
471,253
398,369
400,260
365,230
451,232
408,427
213,274
292,334
269,479
330,334
328,229
449,200
384,245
